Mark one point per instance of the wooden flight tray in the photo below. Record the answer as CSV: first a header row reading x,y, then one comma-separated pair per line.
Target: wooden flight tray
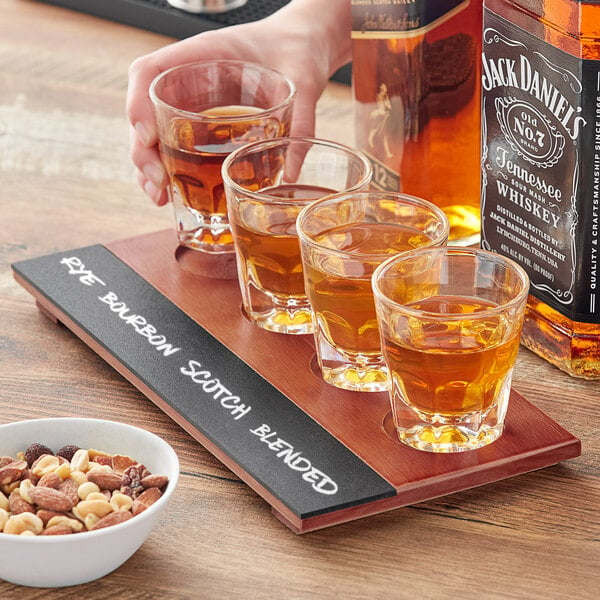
x,y
318,455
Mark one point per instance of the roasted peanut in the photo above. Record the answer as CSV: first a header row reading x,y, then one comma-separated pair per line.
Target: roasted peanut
x,y
90,520
87,488
26,521
97,496
80,460
94,467
24,488
3,501
78,477
121,502
64,470
46,463
100,508
72,524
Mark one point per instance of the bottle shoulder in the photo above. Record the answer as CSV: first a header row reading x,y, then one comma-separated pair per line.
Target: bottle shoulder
x,y
572,25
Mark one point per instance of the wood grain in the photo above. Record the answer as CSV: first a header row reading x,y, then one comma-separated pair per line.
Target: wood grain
x,y
532,536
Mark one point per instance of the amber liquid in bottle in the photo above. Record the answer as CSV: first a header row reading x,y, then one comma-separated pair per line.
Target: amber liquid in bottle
x,y
417,99
566,338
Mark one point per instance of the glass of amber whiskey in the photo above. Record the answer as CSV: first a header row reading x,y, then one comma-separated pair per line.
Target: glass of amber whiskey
x,y
267,183
450,321
343,238
204,111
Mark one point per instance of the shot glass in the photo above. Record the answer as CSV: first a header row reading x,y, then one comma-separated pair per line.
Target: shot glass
x,y
450,321
343,239
204,111
267,183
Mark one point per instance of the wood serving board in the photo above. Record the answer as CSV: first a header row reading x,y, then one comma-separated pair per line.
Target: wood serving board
x,y
318,455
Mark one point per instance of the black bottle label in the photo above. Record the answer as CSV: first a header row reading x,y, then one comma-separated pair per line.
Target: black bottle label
x,y
541,165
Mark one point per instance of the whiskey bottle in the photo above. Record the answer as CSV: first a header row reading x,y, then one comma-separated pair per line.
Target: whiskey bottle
x,y
416,87
541,167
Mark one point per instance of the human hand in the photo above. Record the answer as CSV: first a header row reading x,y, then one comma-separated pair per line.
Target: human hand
x,y
308,48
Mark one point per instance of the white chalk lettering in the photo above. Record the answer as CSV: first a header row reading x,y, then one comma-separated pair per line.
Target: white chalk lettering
x,y
76,267
319,481
139,324
213,387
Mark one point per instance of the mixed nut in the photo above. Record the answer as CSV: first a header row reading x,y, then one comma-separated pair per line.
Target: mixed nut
x,y
72,490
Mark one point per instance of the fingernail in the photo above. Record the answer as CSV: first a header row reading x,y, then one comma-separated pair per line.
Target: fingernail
x,y
142,132
155,173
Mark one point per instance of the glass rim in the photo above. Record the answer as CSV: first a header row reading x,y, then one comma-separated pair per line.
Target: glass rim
x,y
520,297
375,194
287,141
159,102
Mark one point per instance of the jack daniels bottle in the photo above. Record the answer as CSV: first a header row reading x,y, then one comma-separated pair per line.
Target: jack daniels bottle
x,y
541,167
417,102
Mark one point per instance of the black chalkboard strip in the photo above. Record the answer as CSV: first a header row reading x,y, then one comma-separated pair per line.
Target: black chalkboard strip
x,y
318,455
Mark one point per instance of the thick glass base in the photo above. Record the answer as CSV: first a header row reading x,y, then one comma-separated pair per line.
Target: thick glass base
x,y
452,431
357,379
448,438
211,234
294,321
352,371
280,313
205,241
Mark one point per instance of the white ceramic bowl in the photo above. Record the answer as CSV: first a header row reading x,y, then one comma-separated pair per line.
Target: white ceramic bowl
x,y
64,560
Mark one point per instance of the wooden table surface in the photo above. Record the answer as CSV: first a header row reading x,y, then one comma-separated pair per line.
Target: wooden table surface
x,y
66,181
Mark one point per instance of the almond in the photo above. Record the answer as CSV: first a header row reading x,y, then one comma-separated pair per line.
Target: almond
x,y
105,480
27,474
145,499
17,505
6,460
57,530
69,487
112,519
51,480
51,499
12,472
158,481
